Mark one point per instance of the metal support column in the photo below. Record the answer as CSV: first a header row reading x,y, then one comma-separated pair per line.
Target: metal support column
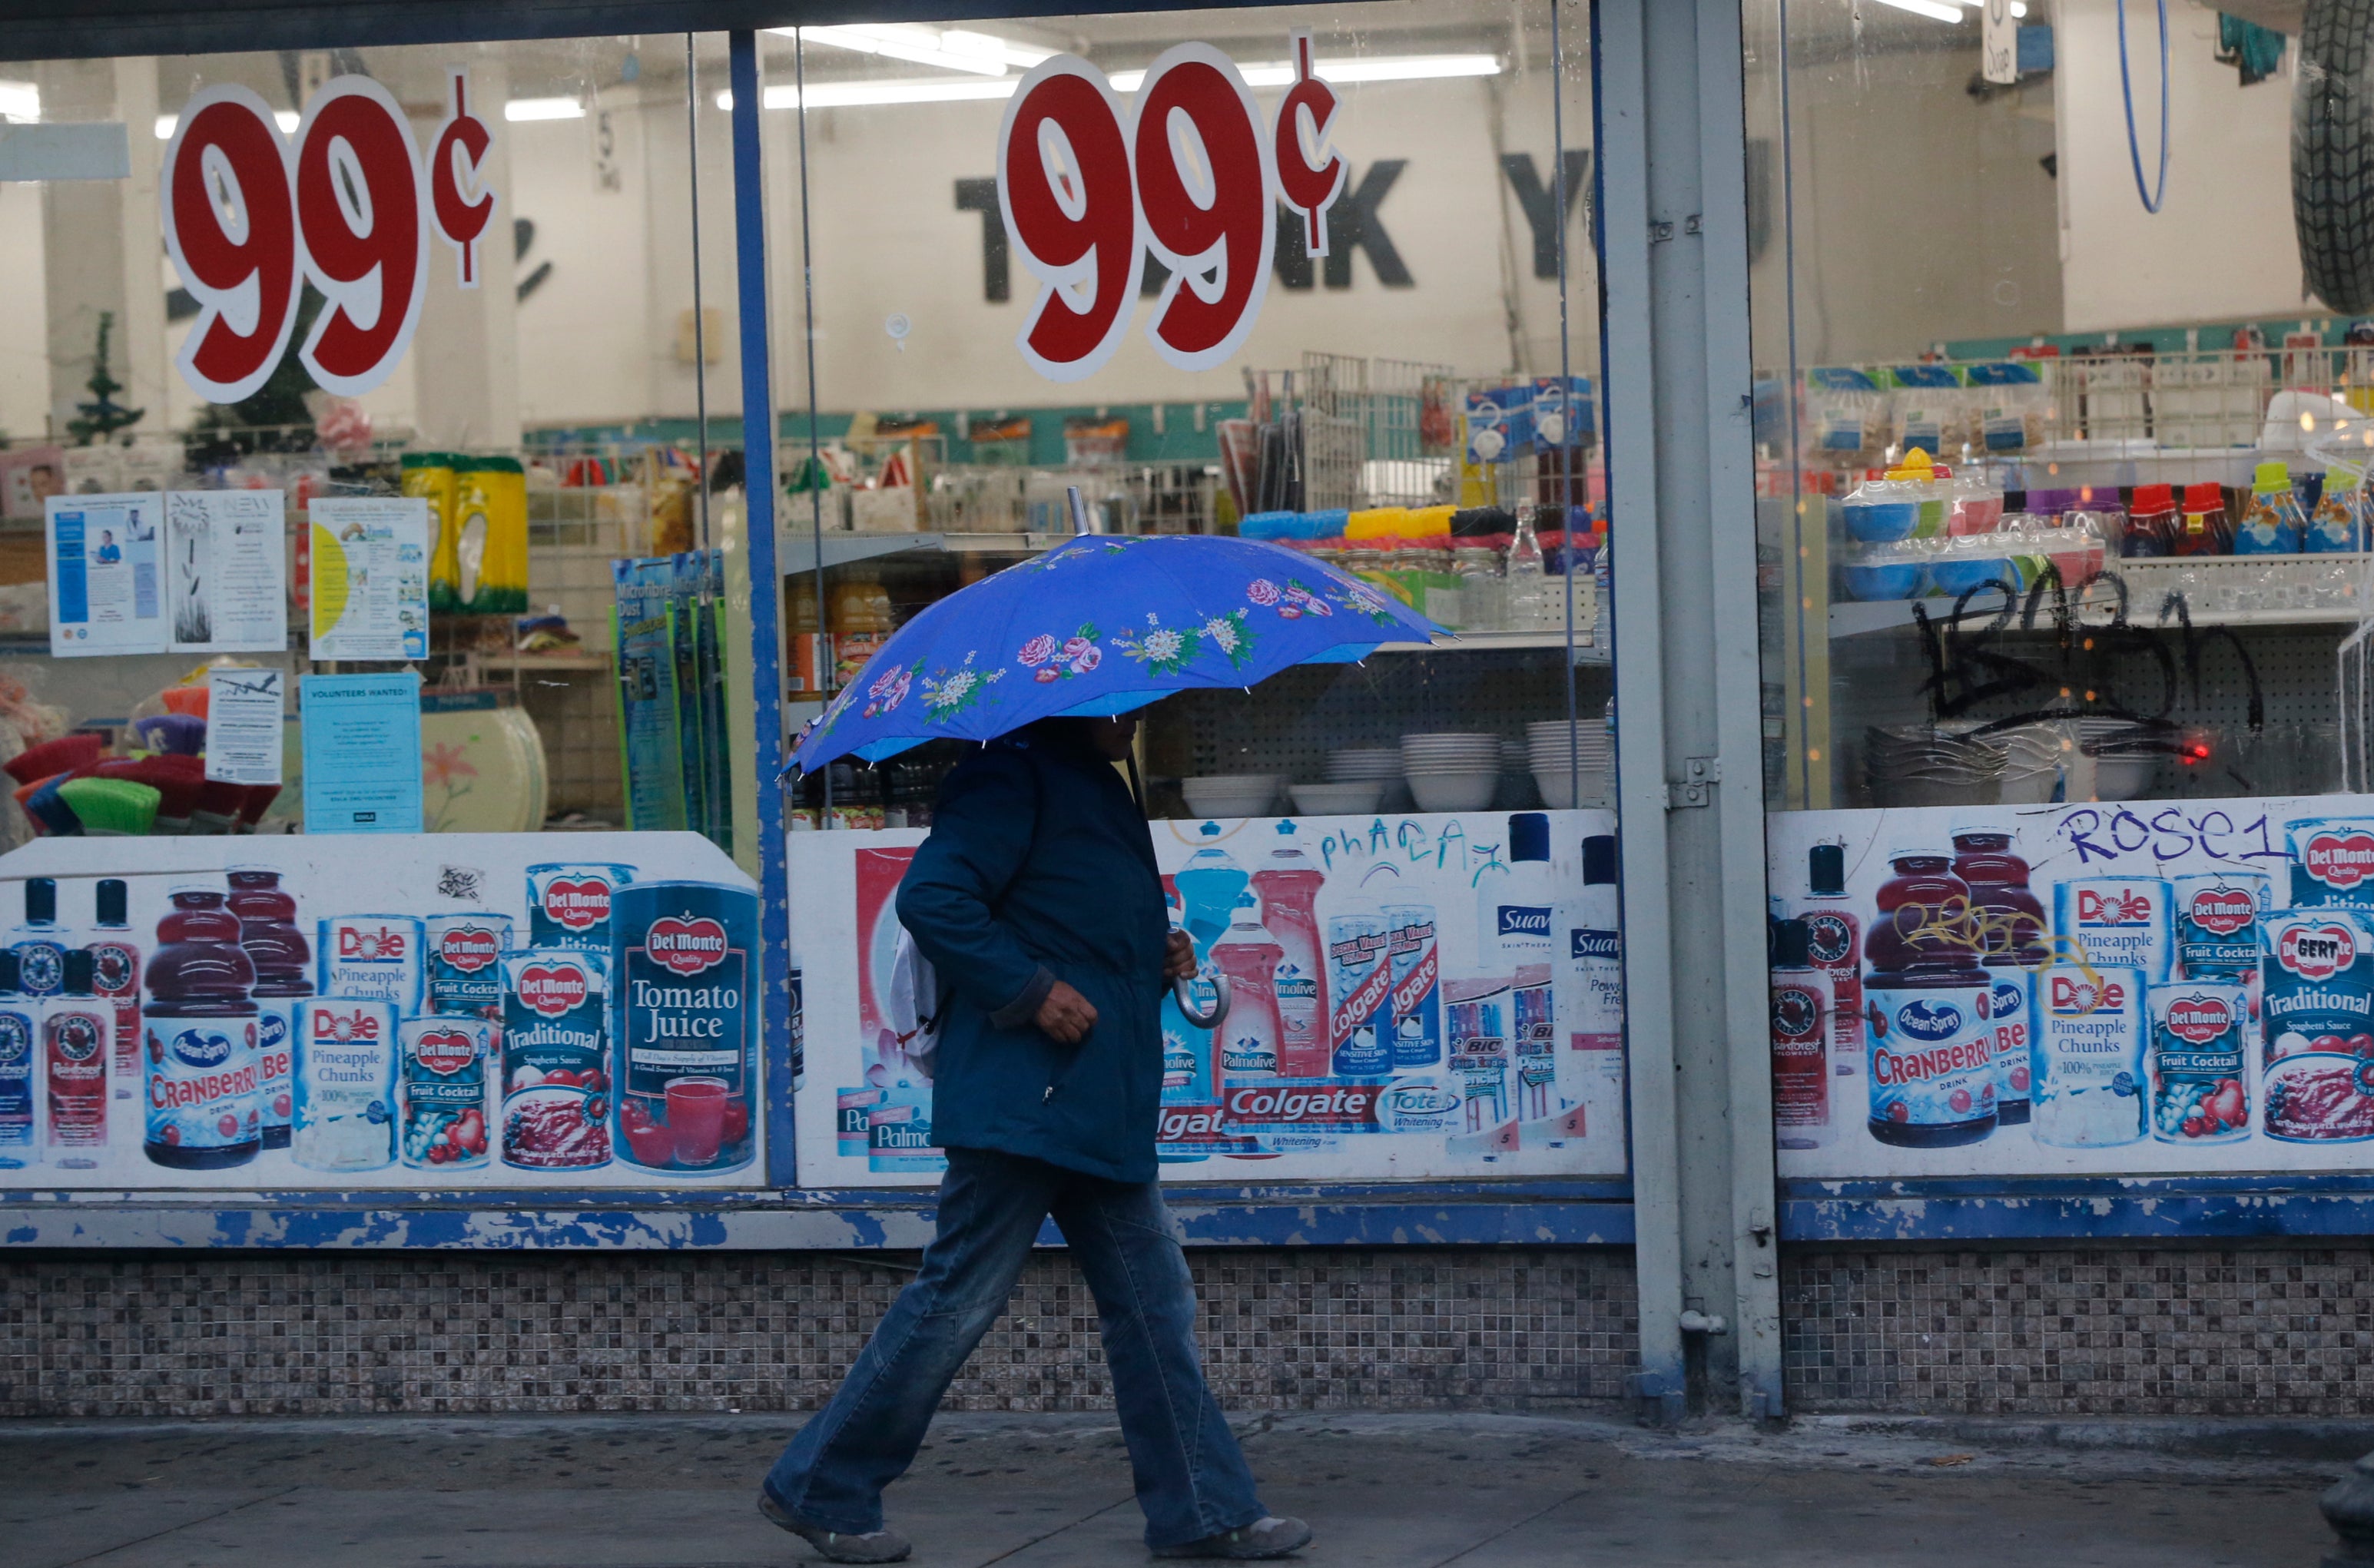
x,y
1689,739
766,594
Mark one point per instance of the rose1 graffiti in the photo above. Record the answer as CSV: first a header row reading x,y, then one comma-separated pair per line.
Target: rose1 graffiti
x,y
2106,834
2081,667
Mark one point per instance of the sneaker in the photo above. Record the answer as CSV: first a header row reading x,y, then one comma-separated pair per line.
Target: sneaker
x,y
874,1546
1271,1537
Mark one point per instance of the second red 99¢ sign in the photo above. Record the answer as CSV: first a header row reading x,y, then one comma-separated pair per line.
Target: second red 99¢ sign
x,y
1194,178
347,207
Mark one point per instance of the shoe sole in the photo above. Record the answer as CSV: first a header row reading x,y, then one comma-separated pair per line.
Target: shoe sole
x,y
1248,1554
782,1518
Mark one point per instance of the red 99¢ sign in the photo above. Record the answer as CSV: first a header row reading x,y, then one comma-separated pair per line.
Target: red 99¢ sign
x,y
1193,178
347,207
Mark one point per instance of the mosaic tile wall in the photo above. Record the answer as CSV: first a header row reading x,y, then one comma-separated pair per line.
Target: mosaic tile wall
x,y
2282,1330
272,1332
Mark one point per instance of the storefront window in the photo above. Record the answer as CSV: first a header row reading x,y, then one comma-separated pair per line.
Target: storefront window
x,y
2064,547
1347,340
370,500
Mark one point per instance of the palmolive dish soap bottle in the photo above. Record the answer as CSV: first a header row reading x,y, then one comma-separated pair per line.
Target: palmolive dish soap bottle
x,y
1288,886
2272,525
1251,1035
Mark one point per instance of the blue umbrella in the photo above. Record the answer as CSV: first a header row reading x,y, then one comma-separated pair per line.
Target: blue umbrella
x,y
1104,624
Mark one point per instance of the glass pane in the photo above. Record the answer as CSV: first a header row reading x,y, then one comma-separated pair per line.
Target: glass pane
x,y
352,396
2065,576
1355,356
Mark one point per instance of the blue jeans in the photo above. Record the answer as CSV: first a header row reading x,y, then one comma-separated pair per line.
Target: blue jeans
x,y
1191,1476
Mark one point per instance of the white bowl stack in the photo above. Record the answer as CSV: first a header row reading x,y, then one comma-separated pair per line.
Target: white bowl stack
x,y
1554,757
1233,795
1371,764
1356,799
1452,771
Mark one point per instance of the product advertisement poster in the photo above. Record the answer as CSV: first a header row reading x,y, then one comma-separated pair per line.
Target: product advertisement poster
x,y
464,1013
2094,989
1414,997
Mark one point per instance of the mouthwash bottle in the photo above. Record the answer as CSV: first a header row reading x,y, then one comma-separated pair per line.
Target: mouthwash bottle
x,y
2273,526
40,943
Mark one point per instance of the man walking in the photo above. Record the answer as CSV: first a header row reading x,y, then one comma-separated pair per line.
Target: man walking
x,y
1037,900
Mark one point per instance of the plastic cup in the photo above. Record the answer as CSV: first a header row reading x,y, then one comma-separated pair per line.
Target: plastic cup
x,y
695,1114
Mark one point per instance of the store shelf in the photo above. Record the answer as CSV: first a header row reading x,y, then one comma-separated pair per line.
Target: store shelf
x,y
528,663
1493,641
845,548
2206,584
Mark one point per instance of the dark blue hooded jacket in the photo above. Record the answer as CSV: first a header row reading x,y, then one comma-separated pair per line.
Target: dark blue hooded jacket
x,y
1040,868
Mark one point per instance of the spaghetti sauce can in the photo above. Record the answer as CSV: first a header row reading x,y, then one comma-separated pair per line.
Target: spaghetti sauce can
x,y
684,1025
556,1093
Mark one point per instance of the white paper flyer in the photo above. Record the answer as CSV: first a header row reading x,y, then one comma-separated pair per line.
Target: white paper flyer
x,y
224,578
370,577
245,718
104,595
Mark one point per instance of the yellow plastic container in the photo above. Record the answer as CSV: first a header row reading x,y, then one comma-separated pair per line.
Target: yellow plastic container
x,y
489,537
1378,523
429,475
1424,522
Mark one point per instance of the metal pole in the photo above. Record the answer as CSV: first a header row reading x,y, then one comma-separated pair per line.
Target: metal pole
x,y
766,597
1566,397
1620,109
808,332
699,322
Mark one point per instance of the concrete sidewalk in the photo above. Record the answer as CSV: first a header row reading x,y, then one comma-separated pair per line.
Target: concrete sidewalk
x,y
1420,1490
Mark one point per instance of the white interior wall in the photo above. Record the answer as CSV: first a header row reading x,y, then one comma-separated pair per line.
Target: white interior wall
x,y
24,326
2222,244
1922,213
889,239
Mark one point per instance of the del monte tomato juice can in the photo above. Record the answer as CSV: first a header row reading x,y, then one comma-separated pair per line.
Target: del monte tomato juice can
x,y
556,1094
2200,1066
568,903
462,954
684,1025
2333,860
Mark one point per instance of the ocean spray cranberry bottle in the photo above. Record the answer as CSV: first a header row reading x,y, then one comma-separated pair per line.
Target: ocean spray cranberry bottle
x,y
199,1036
2010,925
1926,1002
284,967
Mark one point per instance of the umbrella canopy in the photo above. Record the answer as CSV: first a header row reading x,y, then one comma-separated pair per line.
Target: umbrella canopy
x,y
1104,624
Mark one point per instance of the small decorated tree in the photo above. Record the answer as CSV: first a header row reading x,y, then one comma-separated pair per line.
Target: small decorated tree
x,y
102,416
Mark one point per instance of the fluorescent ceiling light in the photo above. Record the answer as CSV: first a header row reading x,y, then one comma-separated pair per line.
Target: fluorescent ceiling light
x,y
1930,8
1357,68
20,101
1265,74
545,108
286,119
975,53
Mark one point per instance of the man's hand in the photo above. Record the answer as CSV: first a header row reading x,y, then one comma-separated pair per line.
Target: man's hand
x,y
1065,1015
1178,958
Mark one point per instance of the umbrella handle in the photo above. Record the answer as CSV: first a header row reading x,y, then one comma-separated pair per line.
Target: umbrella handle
x,y
1186,999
